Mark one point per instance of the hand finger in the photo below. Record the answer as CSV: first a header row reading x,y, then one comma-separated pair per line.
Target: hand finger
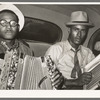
x,y
55,74
54,69
86,80
56,77
58,82
53,79
87,75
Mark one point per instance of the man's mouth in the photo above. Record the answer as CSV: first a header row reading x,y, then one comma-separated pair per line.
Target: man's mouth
x,y
8,32
78,39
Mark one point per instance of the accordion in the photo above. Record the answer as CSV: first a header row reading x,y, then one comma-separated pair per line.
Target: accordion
x,y
32,72
32,75
94,68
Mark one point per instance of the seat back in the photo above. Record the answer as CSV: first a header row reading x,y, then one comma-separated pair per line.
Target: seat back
x,y
39,48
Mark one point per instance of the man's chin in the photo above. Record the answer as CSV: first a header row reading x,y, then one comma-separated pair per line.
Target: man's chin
x,y
78,43
9,38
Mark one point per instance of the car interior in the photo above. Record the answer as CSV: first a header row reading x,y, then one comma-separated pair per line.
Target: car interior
x,y
45,25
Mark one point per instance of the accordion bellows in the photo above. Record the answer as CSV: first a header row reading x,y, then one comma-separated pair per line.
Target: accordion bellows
x,y
30,75
94,68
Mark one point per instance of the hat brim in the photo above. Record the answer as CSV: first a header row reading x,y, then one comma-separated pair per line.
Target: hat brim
x,y
90,25
14,9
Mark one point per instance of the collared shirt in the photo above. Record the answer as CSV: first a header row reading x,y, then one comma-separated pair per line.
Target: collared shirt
x,y
20,45
63,55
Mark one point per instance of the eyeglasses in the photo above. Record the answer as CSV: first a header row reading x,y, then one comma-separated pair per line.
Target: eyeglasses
x,y
11,23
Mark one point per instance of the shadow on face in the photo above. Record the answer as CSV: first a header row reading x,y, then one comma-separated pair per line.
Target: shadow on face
x,y
8,25
78,34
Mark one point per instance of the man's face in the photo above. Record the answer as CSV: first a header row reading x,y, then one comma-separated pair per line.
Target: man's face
x,y
78,34
7,31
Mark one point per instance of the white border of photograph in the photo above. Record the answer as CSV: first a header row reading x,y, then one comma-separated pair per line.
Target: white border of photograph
x,y
50,93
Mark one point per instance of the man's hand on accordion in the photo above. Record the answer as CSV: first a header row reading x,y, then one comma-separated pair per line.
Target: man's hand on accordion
x,y
84,79
57,79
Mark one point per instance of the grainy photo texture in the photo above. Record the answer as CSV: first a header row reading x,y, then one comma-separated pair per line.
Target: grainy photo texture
x,y
49,46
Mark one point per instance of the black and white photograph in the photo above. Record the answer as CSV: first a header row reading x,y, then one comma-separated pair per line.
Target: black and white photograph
x,y
50,46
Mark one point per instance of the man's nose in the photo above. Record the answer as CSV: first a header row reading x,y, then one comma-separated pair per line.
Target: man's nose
x,y
8,26
79,33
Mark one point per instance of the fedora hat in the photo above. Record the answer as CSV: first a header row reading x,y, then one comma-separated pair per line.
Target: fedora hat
x,y
14,9
79,18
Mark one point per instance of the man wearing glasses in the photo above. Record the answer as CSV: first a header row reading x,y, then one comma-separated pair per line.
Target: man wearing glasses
x,y
11,48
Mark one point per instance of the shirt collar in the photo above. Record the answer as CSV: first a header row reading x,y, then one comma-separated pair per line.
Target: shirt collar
x,y
3,48
16,44
69,47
